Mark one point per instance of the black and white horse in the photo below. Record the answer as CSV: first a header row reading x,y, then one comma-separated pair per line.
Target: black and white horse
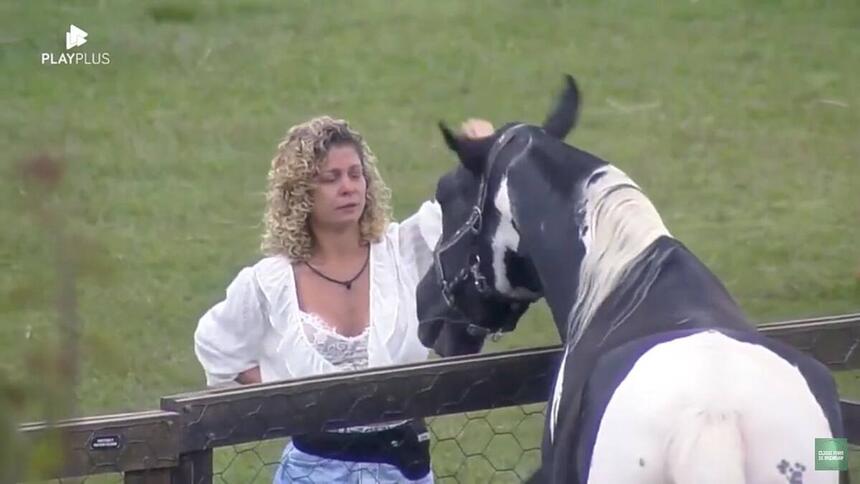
x,y
664,379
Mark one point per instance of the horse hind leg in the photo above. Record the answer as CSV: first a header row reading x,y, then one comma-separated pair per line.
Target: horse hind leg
x,y
763,432
717,447
780,445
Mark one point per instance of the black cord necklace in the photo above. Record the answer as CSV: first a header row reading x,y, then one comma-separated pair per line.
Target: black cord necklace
x,y
347,284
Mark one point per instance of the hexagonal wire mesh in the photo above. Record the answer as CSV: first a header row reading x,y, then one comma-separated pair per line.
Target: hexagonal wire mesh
x,y
255,462
500,445
494,446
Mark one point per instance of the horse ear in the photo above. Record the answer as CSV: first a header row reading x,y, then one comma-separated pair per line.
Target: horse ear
x,y
562,119
450,138
472,152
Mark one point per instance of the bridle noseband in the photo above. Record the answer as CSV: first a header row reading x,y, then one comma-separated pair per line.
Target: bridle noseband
x,y
472,271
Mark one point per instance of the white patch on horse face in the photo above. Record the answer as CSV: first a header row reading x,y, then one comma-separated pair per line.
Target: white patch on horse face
x,y
506,238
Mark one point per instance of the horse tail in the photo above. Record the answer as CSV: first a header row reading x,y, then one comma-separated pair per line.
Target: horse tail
x,y
707,448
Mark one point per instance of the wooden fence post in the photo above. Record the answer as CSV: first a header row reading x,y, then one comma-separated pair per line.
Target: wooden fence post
x,y
194,468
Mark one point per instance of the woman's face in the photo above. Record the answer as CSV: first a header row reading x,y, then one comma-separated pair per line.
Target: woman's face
x,y
339,195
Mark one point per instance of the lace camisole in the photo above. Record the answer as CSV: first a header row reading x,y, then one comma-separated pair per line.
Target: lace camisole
x,y
346,353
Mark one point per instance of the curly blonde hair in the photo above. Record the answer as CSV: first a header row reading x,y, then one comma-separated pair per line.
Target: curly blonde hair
x,y
289,198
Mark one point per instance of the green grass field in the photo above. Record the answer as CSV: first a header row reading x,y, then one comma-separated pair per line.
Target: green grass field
x,y
739,118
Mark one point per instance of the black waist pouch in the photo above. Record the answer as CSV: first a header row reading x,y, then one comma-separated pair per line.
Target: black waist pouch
x,y
406,447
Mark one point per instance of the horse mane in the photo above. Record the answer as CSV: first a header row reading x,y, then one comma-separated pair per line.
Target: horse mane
x,y
618,224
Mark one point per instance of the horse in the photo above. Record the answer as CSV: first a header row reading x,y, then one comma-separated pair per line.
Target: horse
x,y
663,378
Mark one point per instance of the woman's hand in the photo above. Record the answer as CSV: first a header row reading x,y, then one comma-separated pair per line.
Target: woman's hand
x,y
477,128
250,376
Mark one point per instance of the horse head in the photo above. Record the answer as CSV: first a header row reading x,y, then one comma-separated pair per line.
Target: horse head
x,y
481,281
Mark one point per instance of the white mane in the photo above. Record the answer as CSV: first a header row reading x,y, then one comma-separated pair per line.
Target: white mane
x,y
618,224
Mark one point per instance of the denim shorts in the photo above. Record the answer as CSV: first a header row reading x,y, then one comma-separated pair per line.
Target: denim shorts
x,y
300,467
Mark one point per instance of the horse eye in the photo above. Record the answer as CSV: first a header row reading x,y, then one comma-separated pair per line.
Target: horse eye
x,y
474,259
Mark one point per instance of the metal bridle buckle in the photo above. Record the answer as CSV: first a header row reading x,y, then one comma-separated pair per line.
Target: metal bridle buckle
x,y
478,222
478,279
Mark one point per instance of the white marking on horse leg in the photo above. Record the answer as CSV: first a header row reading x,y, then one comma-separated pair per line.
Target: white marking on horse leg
x,y
709,376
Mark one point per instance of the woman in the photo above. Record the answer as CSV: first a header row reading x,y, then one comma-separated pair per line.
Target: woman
x,y
335,292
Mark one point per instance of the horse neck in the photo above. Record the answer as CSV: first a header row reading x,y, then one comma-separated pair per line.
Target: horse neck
x,y
616,223
683,293
624,266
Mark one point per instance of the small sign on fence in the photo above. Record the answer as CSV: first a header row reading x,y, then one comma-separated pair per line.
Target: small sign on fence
x,y
105,442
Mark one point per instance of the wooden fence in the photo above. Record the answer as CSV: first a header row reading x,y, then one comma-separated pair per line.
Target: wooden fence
x,y
175,443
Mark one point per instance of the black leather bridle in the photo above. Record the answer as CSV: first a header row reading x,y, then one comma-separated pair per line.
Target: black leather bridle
x,y
472,271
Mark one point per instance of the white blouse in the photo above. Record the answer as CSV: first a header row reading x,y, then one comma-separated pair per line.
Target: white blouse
x,y
259,322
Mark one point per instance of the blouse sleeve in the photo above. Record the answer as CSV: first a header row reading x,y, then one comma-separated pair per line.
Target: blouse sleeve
x,y
228,339
418,235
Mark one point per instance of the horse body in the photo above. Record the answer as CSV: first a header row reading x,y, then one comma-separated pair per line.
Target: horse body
x,y
695,406
663,379
699,393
